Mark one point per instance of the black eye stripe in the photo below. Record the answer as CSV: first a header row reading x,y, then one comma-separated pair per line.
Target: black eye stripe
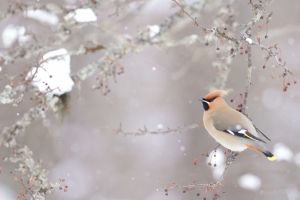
x,y
210,100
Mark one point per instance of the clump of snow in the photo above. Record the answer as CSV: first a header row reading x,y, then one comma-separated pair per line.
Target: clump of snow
x,y
249,182
53,74
82,15
249,40
11,34
282,152
42,16
154,30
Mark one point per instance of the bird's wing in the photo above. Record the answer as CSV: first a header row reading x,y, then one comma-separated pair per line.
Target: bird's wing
x,y
243,133
227,122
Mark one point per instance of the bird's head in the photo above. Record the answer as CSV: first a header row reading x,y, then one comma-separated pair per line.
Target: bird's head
x,y
214,100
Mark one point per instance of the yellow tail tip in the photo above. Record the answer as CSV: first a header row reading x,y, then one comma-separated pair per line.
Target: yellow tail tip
x,y
272,158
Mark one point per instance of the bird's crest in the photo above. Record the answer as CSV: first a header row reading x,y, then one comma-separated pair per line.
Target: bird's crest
x,y
216,93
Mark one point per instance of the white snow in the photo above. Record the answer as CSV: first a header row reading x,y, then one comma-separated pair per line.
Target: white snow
x,y
160,126
249,182
219,160
54,74
249,40
154,30
282,152
194,37
82,15
42,16
11,34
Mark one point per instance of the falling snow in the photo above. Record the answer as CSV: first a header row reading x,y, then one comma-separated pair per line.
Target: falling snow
x,y
250,182
283,152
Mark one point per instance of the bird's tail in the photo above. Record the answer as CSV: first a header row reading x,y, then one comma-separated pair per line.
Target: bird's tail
x,y
269,155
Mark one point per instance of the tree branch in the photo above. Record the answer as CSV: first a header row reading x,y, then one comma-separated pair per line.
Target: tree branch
x,y
248,80
145,131
207,186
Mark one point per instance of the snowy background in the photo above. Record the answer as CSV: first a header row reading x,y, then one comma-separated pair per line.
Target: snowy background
x,y
160,88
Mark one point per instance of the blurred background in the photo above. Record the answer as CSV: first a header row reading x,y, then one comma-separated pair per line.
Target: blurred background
x,y
160,88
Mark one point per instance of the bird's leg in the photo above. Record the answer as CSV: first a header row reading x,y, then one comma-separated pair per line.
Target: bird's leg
x,y
231,157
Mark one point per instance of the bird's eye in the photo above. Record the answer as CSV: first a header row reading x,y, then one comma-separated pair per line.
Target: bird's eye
x,y
212,99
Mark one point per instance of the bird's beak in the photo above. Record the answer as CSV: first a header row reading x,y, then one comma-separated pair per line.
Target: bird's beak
x,y
203,101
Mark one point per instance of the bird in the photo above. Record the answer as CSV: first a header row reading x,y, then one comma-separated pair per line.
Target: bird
x,y
229,127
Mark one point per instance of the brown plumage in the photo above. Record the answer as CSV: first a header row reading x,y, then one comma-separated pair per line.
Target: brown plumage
x,y
229,127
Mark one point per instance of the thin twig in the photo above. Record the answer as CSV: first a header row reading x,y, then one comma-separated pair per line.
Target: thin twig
x,y
145,131
212,185
272,53
117,10
258,130
27,191
194,20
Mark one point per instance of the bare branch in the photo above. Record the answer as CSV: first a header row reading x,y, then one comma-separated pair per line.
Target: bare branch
x,y
145,131
273,54
248,80
208,186
194,20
